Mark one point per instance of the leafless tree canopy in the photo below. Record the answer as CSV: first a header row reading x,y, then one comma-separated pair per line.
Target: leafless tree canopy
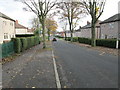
x,y
95,7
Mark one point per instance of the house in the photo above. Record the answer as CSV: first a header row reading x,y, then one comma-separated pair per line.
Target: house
x,y
110,26
77,33
30,31
85,31
7,28
22,30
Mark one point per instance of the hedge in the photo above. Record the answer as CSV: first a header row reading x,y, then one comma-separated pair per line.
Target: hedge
x,y
24,43
75,39
59,36
68,38
84,40
17,45
111,43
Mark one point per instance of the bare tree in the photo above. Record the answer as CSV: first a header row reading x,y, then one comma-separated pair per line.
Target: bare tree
x,y
35,23
72,11
95,9
41,8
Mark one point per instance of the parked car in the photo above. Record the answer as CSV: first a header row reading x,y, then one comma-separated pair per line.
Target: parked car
x,y
54,39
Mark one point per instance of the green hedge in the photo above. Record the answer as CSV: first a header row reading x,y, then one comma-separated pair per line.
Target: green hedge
x,y
17,45
24,43
68,38
59,36
111,43
84,40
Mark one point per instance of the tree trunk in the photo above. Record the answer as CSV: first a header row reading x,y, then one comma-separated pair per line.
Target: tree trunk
x,y
71,33
48,35
65,35
71,36
44,38
93,40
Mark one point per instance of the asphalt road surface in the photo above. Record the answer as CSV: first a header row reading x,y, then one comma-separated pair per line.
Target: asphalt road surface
x,y
81,67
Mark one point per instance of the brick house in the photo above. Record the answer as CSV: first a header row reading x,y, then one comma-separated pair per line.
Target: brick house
x,y
110,26
86,30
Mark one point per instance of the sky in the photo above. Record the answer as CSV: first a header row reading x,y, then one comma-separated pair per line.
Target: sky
x,y
15,10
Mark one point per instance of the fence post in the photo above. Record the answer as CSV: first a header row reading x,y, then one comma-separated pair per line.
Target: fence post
x,y
117,43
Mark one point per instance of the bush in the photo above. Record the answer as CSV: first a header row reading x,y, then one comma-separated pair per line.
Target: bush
x,y
68,38
84,40
75,39
28,42
111,43
24,43
17,45
59,36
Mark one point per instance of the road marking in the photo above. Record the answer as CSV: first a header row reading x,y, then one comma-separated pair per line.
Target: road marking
x,y
0,85
56,73
102,53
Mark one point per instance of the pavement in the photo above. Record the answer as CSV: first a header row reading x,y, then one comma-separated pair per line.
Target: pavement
x,y
81,67
32,69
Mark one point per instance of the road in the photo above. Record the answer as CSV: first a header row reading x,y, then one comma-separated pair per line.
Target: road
x,y
81,67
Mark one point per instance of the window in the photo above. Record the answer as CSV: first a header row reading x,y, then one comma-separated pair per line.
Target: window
x,y
4,23
5,35
11,24
111,25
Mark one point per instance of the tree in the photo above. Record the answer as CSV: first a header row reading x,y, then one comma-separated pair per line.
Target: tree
x,y
35,23
64,27
72,11
51,26
41,8
95,9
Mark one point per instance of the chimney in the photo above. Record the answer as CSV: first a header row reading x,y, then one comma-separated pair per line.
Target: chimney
x,y
16,21
88,22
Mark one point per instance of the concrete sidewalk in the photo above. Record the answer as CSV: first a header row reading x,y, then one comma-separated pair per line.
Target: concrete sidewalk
x,y
33,69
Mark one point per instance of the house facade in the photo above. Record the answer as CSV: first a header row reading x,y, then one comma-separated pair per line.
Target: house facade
x,y
85,31
110,26
22,30
7,28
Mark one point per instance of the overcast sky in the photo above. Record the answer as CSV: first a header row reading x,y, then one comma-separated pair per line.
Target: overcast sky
x,y
14,10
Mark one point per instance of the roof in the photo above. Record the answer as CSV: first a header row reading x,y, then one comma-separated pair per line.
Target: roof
x,y
114,18
17,25
31,30
6,17
89,25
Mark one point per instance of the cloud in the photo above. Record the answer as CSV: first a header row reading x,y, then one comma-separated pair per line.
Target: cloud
x,y
15,11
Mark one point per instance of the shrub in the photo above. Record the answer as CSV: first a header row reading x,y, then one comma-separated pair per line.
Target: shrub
x,y
111,43
68,38
28,42
75,39
17,45
59,36
24,43
32,41
84,40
